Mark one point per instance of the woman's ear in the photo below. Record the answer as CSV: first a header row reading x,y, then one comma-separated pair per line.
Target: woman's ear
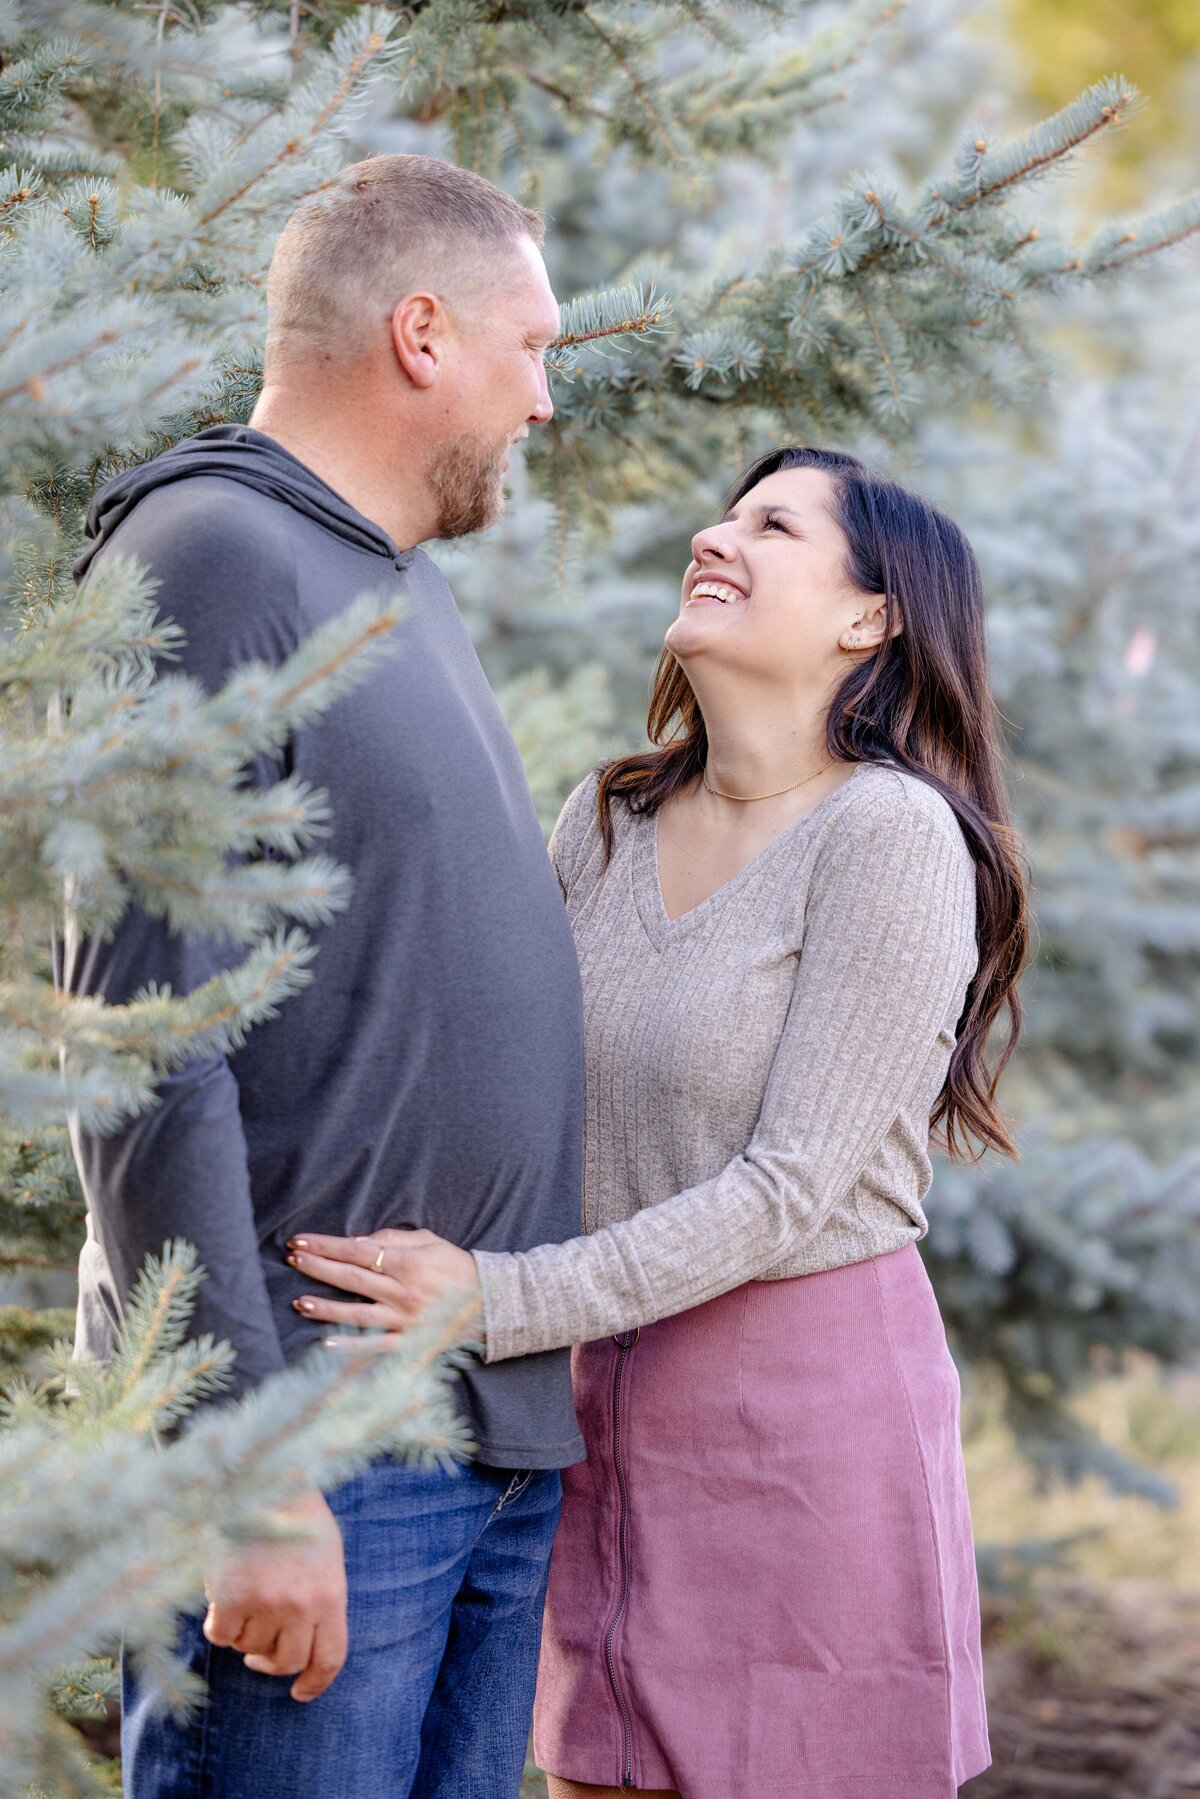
x,y
880,621
876,623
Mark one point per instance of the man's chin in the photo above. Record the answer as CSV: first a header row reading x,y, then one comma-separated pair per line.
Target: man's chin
x,y
497,505
487,510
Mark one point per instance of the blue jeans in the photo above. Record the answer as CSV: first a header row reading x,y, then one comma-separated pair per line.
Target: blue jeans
x,y
447,1577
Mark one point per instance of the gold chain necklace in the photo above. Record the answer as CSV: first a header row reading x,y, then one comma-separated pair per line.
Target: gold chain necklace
x,y
748,799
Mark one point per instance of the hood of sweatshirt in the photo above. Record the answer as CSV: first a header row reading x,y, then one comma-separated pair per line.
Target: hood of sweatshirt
x,y
237,453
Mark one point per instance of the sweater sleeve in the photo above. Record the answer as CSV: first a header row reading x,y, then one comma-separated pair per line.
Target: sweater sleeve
x,y
888,951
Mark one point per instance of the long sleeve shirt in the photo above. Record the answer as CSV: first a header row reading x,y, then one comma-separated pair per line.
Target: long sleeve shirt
x,y
760,1070
431,1075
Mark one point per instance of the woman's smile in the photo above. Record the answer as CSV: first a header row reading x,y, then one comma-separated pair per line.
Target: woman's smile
x,y
712,592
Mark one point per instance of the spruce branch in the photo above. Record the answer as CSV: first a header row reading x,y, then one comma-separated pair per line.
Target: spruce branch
x,y
751,105
982,174
623,55
1120,246
32,83
156,1315
606,318
363,51
1039,1270
132,792
250,1454
127,1050
85,1689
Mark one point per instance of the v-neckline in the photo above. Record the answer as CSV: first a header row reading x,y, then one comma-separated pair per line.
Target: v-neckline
x,y
660,927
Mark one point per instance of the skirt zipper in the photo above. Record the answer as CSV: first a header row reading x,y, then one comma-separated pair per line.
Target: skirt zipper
x,y
624,1344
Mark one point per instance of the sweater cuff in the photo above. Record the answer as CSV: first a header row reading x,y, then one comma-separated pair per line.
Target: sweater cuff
x,y
508,1324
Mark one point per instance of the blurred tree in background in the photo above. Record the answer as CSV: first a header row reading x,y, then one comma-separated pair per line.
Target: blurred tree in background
x,y
1155,42
804,221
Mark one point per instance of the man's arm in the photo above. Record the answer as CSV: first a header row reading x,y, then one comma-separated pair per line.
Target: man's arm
x,y
181,1169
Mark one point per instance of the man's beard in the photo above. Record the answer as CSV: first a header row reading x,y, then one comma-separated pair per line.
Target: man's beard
x,y
468,484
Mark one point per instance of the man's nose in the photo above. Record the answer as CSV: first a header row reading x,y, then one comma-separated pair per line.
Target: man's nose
x,y
543,412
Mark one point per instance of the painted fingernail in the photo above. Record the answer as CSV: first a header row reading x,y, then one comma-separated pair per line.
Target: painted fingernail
x,y
303,1305
294,1260
297,1242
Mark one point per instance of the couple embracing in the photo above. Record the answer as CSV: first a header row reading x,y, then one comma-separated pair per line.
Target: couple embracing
x,y
666,1097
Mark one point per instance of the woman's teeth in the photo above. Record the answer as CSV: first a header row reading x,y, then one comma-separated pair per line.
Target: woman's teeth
x,y
716,590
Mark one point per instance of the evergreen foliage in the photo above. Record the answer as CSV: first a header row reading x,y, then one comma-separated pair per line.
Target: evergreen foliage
x,y
120,781
1089,543
106,1529
131,790
147,159
1096,646
1051,1270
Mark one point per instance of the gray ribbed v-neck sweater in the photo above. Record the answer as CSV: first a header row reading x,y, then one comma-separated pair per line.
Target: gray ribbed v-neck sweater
x,y
760,1070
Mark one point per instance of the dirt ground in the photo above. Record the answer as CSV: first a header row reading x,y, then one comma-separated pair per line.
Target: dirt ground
x,y
1093,1698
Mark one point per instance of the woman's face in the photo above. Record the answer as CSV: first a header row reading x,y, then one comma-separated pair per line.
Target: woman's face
x,y
766,592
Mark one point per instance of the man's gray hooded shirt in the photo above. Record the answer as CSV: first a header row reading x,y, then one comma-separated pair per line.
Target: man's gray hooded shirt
x,y
432,1074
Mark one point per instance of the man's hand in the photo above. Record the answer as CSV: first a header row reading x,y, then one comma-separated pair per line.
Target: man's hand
x,y
283,1605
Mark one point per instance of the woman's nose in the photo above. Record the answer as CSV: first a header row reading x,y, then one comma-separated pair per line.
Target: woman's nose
x,y
713,541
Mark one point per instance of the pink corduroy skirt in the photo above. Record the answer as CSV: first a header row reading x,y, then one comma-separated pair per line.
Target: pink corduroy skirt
x,y
764,1578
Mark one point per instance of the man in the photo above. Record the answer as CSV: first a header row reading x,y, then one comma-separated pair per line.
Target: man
x,y
432,1073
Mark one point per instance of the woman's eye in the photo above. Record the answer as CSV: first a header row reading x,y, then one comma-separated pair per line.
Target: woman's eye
x,y
771,523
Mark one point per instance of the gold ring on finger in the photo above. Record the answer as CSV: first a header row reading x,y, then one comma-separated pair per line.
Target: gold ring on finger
x,y
377,1264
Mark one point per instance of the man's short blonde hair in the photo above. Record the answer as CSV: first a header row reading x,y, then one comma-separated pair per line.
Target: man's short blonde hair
x,y
387,227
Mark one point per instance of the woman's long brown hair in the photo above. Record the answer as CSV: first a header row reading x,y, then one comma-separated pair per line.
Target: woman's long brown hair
x,y
923,704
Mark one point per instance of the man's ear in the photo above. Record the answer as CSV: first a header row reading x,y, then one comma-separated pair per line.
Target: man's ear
x,y
418,336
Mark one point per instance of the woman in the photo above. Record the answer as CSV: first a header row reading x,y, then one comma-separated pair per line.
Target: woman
x,y
798,918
